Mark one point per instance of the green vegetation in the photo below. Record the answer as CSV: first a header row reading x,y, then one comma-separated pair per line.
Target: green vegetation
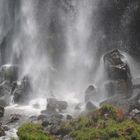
x,y
107,123
13,138
31,131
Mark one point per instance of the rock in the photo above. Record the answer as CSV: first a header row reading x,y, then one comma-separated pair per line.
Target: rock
x,y
3,128
61,105
14,118
2,132
5,93
90,106
90,93
69,117
118,72
6,128
45,123
2,111
53,105
58,130
22,91
9,72
42,117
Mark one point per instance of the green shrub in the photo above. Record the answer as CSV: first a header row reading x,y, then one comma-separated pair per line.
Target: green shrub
x,y
31,131
98,126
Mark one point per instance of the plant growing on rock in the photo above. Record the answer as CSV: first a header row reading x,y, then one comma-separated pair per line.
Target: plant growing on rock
x,y
106,123
31,131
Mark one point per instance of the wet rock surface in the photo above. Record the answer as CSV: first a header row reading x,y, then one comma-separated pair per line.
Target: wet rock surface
x,y
90,93
11,87
2,111
53,105
22,91
118,73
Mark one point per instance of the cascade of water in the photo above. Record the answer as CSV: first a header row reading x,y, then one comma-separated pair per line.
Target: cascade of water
x,y
28,45
78,58
79,54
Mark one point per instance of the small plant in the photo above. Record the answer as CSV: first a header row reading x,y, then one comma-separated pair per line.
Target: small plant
x,y
31,131
108,111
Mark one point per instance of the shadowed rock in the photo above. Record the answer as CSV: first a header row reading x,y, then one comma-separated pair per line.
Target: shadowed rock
x,y
53,105
2,111
118,73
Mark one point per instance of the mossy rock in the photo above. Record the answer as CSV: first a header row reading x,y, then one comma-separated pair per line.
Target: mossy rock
x,y
97,126
31,131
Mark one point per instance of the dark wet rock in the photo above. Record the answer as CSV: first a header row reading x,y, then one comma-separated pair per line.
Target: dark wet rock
x,y
53,105
45,123
117,87
41,117
14,118
58,130
52,118
33,118
69,117
2,110
22,91
2,131
90,106
90,93
118,72
61,105
6,128
5,93
9,72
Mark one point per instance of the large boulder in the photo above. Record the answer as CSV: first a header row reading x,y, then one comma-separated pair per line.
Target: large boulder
x,y
53,104
90,93
118,73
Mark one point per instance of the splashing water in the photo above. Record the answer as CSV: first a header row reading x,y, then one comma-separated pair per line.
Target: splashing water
x,y
78,61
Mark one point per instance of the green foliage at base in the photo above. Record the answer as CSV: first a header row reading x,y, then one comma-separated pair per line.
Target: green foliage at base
x,y
31,131
103,124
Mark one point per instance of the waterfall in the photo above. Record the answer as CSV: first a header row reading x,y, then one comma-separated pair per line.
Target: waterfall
x,y
31,46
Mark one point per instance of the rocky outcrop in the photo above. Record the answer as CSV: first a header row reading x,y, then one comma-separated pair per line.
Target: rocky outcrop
x,y
53,105
118,74
90,93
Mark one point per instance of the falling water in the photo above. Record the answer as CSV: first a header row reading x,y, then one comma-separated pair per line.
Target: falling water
x,y
78,54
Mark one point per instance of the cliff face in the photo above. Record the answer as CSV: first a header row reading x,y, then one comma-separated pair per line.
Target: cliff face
x,y
119,22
